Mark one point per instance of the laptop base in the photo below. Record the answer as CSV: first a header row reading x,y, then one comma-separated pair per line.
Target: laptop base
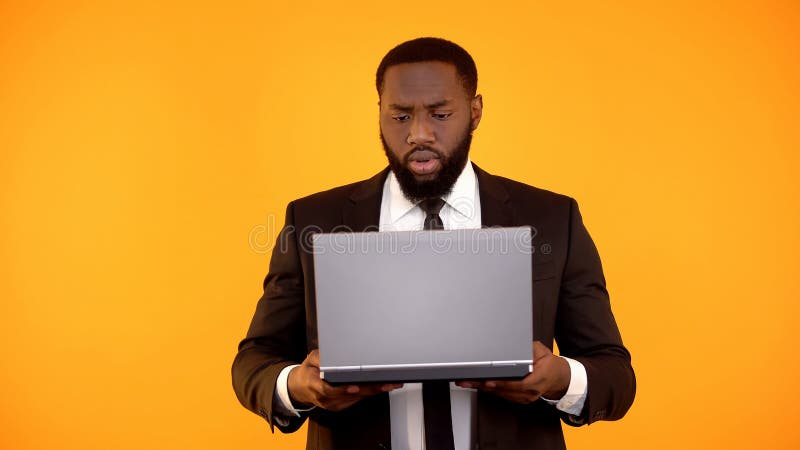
x,y
339,377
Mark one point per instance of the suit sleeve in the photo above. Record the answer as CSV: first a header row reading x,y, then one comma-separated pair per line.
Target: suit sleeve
x,y
587,332
277,334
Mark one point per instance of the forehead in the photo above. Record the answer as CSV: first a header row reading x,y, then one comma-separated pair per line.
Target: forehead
x,y
428,81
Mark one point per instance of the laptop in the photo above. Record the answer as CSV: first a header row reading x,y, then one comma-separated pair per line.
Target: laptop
x,y
409,306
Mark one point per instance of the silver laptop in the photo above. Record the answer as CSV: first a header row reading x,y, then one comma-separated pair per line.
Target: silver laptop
x,y
424,305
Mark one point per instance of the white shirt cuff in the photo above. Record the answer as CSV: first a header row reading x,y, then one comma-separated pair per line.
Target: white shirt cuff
x,y
572,402
282,402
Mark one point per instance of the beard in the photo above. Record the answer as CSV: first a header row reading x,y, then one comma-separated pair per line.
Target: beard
x,y
451,167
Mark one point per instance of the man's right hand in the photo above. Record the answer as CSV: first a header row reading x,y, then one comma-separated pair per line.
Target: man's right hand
x,y
307,389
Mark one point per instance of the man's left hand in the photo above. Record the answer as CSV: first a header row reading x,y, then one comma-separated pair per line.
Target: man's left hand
x,y
550,379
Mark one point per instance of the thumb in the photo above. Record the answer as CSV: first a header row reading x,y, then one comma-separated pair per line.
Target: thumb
x,y
540,351
312,359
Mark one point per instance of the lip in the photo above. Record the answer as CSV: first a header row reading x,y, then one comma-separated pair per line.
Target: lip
x,y
422,155
425,167
423,162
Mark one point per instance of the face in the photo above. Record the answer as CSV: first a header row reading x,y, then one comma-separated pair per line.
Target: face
x,y
426,121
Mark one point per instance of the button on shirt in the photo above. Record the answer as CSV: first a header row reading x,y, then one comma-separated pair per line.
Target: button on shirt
x,y
461,210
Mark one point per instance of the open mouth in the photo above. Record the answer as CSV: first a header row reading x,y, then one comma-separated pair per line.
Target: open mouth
x,y
423,162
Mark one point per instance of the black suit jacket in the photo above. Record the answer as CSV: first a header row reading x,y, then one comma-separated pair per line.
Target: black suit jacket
x,y
570,300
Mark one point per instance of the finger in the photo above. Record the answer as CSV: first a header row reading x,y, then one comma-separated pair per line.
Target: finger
x,y
341,397
486,384
516,390
373,389
502,385
356,390
391,387
353,389
325,390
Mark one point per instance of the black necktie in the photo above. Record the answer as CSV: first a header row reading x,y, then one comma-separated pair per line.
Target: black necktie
x,y
436,394
432,206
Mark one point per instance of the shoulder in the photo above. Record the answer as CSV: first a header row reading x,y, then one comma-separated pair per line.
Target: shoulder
x,y
329,196
330,202
521,193
518,188
367,187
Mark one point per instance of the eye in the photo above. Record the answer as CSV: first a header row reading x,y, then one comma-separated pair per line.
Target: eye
x,y
441,116
401,117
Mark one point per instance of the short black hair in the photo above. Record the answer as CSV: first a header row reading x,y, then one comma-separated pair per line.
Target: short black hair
x,y
431,49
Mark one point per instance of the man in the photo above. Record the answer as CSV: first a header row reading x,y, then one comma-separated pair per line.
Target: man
x,y
428,111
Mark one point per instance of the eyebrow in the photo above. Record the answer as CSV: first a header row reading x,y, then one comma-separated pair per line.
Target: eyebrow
x,y
408,108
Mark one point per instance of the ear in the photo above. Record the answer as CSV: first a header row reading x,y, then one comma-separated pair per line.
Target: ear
x,y
476,108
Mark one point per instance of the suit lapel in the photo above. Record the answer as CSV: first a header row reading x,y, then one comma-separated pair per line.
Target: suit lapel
x,y
495,208
362,212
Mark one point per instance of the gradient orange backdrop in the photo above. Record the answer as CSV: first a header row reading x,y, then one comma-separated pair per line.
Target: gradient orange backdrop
x,y
148,150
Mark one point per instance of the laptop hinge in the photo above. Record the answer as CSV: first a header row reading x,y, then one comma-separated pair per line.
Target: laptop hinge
x,y
459,364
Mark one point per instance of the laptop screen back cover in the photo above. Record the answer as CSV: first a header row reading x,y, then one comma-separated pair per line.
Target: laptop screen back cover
x,y
423,305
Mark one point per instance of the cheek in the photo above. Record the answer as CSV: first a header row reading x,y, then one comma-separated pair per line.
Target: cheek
x,y
393,133
451,134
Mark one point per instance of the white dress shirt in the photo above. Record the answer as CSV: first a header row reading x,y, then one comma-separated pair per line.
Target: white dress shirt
x,y
461,210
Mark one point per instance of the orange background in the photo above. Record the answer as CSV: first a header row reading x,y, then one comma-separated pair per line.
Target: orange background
x,y
149,149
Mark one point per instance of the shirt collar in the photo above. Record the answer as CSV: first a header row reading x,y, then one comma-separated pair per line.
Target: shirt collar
x,y
461,198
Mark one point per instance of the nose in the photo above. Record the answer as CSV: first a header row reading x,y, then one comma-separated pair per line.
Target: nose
x,y
420,132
